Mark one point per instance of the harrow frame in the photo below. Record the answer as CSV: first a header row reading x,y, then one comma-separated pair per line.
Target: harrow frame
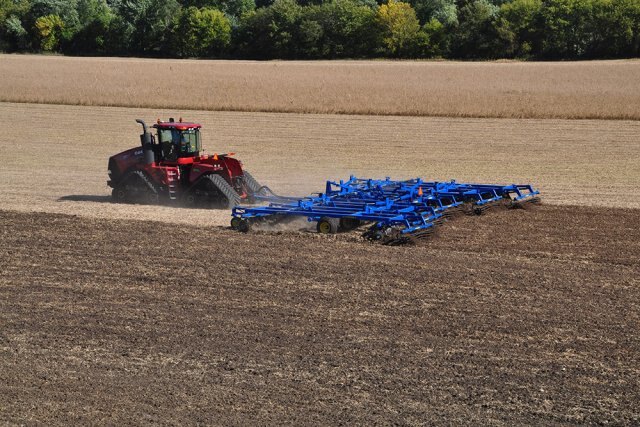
x,y
397,210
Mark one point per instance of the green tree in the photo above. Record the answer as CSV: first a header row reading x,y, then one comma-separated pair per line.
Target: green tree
x,y
119,39
616,26
95,20
50,30
271,32
475,36
567,28
400,30
141,26
13,35
445,11
438,37
338,28
153,29
517,27
235,8
67,10
200,32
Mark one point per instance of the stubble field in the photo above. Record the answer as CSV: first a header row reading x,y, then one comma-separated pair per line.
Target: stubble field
x,y
119,314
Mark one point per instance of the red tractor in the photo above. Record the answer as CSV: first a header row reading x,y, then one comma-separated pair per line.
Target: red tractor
x,y
171,166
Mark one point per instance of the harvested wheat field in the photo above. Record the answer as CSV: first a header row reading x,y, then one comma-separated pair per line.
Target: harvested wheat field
x,y
61,161
595,89
139,314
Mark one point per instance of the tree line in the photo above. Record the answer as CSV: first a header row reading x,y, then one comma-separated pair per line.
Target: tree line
x,y
315,29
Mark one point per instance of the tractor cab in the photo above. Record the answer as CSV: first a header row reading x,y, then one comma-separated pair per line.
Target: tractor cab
x,y
178,140
170,165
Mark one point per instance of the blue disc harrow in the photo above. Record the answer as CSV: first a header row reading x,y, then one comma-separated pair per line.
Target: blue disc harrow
x,y
395,212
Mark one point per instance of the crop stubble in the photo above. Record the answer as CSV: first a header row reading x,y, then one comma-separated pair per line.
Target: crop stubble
x,y
55,157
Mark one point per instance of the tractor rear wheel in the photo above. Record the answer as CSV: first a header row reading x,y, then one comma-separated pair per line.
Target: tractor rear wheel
x,y
252,185
221,193
136,187
328,225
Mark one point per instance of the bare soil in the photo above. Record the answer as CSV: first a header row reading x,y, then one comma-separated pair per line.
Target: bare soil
x,y
515,317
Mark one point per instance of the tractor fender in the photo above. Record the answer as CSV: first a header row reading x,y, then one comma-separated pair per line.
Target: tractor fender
x,y
233,167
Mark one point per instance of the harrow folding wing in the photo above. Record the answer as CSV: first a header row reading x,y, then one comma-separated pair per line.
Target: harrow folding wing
x,y
396,211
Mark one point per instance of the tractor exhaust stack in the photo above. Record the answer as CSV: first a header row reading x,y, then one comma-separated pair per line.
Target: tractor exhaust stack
x,y
147,145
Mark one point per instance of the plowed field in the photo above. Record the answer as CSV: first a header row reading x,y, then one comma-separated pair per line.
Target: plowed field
x,y
516,317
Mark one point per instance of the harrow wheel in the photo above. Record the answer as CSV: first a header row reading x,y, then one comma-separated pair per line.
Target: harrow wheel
x,y
328,225
240,224
235,222
349,223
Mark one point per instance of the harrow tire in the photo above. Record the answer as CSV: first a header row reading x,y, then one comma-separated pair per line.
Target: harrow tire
x,y
243,226
235,222
328,225
349,223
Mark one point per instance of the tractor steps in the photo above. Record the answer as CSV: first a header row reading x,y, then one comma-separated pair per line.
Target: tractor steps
x,y
172,178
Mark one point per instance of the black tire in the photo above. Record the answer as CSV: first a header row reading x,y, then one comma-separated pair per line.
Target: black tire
x,y
328,225
235,222
119,195
228,198
250,182
349,223
244,226
189,199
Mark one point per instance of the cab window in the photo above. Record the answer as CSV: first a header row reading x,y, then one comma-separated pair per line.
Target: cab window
x,y
190,141
186,142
